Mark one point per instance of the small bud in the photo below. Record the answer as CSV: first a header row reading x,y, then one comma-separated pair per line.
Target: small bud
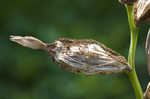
x,y
28,41
142,12
86,57
147,92
128,2
147,47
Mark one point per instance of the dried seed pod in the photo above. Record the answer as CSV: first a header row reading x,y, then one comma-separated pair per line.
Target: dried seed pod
x,y
147,47
147,92
128,2
142,11
86,57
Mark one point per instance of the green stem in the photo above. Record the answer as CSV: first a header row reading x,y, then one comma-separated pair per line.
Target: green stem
x,y
134,35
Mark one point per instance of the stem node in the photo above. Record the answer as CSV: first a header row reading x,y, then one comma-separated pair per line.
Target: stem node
x,y
131,56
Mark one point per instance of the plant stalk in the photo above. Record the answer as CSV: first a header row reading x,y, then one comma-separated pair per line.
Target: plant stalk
x,y
131,56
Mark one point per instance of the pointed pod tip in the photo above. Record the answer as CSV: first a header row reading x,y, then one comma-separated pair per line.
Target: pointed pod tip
x,y
28,41
14,38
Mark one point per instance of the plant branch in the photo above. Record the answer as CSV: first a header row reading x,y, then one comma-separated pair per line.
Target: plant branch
x,y
131,56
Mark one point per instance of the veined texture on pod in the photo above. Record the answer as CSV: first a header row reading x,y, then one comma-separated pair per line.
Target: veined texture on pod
x,y
86,57
142,11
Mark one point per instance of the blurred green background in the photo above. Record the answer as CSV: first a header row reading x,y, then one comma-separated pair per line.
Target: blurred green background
x,y
30,74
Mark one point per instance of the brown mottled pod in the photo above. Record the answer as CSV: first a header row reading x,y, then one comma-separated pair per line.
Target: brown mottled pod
x,y
86,57
128,2
142,12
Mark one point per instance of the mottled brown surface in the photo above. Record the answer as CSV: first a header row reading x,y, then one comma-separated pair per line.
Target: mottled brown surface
x,y
145,15
67,43
128,2
86,57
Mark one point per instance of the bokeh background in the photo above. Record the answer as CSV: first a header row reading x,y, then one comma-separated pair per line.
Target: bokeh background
x,y
30,74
